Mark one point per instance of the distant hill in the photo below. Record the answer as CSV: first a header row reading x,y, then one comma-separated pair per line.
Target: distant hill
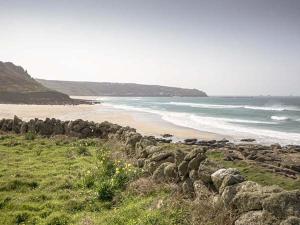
x,y
79,88
18,87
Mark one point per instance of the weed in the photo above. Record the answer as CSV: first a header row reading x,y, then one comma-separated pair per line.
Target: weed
x,y
83,151
30,136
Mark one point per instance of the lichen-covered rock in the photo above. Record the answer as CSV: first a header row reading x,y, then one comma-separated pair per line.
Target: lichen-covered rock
x,y
201,190
206,169
194,153
141,162
247,196
179,156
195,162
291,221
162,156
183,170
171,172
16,126
256,218
159,175
231,180
283,204
219,176
193,175
188,188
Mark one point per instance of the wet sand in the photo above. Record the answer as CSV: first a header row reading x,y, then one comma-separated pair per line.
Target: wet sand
x,y
145,123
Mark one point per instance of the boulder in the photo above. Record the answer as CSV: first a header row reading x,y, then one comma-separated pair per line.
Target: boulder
x,y
233,176
191,141
158,174
171,172
247,196
183,170
283,204
291,221
179,156
195,162
194,153
248,140
188,188
201,190
256,218
163,156
206,169
16,126
24,128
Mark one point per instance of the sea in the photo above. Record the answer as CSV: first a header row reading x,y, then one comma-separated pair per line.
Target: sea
x,y
266,119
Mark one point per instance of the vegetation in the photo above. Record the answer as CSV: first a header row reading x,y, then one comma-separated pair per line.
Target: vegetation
x,y
256,173
68,181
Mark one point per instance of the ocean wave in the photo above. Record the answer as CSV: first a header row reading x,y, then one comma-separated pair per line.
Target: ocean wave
x,y
225,126
221,106
279,118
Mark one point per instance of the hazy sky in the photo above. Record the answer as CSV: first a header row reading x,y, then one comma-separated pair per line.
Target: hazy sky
x,y
225,47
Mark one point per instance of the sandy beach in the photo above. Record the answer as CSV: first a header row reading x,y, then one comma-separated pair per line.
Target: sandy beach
x,y
145,123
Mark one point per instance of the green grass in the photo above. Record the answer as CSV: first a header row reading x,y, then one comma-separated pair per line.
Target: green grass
x,y
256,173
68,181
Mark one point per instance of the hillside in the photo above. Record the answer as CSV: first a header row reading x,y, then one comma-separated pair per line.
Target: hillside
x,y
78,88
18,87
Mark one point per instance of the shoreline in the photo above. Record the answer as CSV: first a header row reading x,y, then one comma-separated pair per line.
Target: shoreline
x,y
144,123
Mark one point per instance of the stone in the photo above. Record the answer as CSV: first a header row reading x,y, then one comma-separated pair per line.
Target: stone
x,y
248,140
160,156
188,188
24,128
141,162
247,196
194,153
190,141
167,135
179,156
16,126
195,162
231,180
183,169
201,190
291,221
158,174
193,175
256,218
206,169
218,176
171,172
283,204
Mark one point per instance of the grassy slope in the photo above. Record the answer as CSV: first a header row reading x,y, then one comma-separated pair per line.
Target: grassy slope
x,y
47,181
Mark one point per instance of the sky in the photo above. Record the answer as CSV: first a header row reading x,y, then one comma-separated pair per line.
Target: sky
x,y
225,47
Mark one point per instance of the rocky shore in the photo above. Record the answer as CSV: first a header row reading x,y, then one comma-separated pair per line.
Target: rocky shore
x,y
186,165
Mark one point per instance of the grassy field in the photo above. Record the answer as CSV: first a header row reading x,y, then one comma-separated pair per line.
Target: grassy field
x,y
68,181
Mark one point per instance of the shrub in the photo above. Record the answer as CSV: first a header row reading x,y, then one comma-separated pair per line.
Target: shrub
x,y
84,151
89,180
30,136
21,217
106,191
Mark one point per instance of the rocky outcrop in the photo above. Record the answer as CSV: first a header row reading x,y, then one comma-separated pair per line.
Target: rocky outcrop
x,y
188,168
